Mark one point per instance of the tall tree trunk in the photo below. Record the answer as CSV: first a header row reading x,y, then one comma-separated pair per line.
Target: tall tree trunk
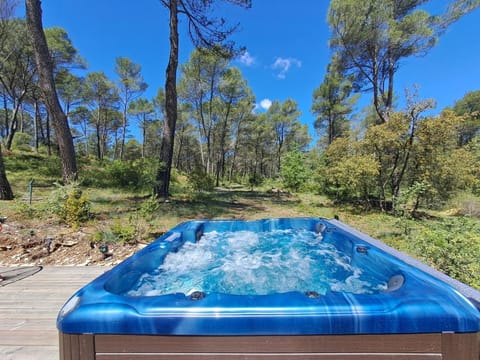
x,y
180,143
5,189
45,73
144,135
124,131
4,132
166,150
13,126
223,135
35,125
48,139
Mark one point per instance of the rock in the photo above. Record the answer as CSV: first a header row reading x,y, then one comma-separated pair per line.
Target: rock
x,y
69,243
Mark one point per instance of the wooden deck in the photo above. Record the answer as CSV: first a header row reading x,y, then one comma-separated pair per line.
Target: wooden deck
x,y
29,308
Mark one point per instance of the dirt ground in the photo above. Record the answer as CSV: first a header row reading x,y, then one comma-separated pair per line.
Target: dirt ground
x,y
25,241
55,244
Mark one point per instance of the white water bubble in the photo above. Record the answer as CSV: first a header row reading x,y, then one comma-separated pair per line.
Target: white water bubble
x,y
250,263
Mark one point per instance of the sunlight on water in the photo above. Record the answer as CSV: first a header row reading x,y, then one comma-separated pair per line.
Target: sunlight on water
x,y
249,263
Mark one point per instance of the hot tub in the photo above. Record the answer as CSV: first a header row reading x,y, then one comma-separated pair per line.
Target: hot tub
x,y
384,305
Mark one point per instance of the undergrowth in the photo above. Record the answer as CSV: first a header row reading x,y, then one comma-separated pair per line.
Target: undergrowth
x,y
113,203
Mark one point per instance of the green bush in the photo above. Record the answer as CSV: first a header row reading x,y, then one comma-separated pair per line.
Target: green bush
x,y
77,208
52,167
452,247
22,142
25,209
124,232
149,207
254,181
120,232
295,172
127,175
69,204
201,181
138,175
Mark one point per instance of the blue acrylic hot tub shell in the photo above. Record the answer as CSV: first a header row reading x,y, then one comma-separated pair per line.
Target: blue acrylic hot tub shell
x,y
422,304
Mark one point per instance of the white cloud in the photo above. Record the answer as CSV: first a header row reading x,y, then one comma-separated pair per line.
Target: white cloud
x,y
247,59
265,104
284,65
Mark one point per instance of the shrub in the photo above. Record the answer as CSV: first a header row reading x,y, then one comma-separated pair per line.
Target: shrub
x,y
453,247
22,142
132,175
149,207
295,172
124,232
25,209
124,174
254,181
77,208
120,232
201,181
69,204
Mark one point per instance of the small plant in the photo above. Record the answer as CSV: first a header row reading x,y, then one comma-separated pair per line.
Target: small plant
x,y
70,205
103,236
118,233
149,207
77,208
25,209
124,232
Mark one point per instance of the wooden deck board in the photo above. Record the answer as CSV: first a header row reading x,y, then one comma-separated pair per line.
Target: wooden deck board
x,y
29,308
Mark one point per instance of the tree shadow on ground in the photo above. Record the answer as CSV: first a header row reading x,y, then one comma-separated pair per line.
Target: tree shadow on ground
x,y
214,205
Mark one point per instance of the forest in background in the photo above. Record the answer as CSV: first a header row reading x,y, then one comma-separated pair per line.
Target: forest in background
x,y
405,162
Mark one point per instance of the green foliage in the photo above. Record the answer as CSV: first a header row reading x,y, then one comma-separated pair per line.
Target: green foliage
x,y
395,30
25,209
77,208
103,236
464,204
332,103
131,175
124,232
453,247
69,204
200,181
26,166
149,207
61,48
254,181
438,162
22,141
133,150
121,231
348,174
295,172
409,200
52,167
474,149
469,108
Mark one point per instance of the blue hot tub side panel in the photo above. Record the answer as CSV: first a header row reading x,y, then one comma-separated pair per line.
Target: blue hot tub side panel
x,y
283,314
422,304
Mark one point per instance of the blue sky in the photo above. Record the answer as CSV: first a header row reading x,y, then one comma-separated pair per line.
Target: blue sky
x,y
286,42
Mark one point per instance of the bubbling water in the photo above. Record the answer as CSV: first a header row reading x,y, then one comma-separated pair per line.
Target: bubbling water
x,y
250,263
